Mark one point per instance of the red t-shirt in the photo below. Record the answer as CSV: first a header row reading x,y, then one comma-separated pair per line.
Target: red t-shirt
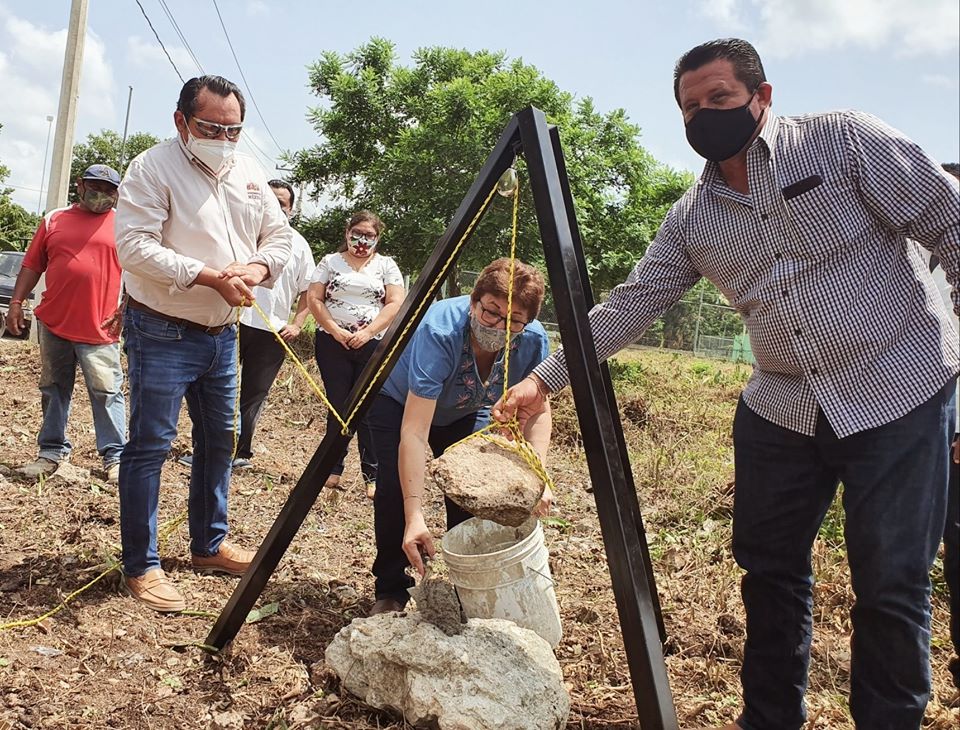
x,y
78,252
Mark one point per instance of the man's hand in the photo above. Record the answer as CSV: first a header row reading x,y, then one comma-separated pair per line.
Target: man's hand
x,y
359,338
252,274
522,400
15,322
956,451
114,323
235,292
289,332
415,536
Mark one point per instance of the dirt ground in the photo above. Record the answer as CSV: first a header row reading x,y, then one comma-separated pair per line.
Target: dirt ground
x,y
105,662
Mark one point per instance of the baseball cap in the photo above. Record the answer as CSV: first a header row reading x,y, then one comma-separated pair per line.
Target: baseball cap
x,y
102,172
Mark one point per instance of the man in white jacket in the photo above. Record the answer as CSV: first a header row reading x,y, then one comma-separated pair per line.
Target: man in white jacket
x,y
197,227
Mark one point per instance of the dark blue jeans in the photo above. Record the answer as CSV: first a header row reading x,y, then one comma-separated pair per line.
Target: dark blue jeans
x,y
894,496
951,563
167,362
385,417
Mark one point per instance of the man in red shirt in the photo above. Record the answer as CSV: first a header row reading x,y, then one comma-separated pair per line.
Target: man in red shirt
x,y
78,319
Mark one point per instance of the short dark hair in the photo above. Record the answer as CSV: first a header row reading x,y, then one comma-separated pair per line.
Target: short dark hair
x,y
283,184
746,62
953,168
187,103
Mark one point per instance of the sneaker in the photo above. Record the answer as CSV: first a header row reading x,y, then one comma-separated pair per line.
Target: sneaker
x,y
154,590
228,559
113,473
238,463
42,466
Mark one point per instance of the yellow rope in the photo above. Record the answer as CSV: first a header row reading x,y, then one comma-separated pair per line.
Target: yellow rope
x,y
163,534
316,388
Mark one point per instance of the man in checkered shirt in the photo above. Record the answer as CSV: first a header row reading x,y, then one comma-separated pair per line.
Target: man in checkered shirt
x,y
802,223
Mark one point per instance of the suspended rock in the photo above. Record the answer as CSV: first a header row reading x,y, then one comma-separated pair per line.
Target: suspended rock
x,y
488,480
492,675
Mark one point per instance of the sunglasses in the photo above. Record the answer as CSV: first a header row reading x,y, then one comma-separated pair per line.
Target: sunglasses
x,y
363,240
212,130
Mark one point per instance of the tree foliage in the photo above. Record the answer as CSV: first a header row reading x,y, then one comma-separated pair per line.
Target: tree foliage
x,y
105,149
17,224
407,142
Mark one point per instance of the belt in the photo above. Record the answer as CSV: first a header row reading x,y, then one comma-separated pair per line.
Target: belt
x,y
215,330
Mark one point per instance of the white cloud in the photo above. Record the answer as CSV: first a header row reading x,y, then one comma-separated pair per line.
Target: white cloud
x,y
941,81
30,91
147,54
794,27
257,8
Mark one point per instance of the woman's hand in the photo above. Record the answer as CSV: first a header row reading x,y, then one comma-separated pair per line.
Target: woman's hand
x,y
546,502
359,338
342,336
416,536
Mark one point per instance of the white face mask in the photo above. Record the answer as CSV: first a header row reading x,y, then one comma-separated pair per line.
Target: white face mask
x,y
214,153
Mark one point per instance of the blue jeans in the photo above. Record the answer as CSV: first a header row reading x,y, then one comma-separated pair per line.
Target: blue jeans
x,y
167,362
894,497
100,365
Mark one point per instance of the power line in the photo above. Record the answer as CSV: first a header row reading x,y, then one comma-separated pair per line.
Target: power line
x,y
242,76
183,39
155,35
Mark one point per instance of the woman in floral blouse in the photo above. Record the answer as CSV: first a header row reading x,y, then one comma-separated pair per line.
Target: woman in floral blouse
x,y
441,391
354,295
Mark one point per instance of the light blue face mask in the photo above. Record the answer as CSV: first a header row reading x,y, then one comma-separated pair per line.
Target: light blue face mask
x,y
489,339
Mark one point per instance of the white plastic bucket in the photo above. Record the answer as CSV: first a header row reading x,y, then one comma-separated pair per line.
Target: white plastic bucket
x,y
504,572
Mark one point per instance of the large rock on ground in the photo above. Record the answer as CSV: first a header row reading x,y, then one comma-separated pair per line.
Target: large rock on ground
x,y
492,675
488,480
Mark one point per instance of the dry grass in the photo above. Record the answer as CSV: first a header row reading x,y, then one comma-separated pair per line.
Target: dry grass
x,y
105,662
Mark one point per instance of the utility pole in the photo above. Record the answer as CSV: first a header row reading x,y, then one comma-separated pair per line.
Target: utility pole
x,y
126,125
67,112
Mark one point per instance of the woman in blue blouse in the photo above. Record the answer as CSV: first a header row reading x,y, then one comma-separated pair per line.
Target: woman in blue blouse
x,y
439,392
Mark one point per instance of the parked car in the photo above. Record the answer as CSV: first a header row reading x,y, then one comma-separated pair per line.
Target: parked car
x,y
10,262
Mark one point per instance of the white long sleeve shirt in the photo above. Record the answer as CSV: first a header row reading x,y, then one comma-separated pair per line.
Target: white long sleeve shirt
x,y
277,302
174,217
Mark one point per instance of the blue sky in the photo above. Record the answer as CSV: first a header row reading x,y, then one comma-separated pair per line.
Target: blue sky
x,y
895,59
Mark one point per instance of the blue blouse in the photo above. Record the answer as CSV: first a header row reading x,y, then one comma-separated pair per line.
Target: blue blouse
x,y
438,363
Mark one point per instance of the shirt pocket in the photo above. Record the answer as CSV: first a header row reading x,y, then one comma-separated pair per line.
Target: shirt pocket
x,y
828,219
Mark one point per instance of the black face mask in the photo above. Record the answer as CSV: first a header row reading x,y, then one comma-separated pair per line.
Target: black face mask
x,y
719,134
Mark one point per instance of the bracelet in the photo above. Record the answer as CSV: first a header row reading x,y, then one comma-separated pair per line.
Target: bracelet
x,y
16,301
413,496
541,387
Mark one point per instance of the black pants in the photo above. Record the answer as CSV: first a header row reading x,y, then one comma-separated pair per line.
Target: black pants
x,y
260,358
340,369
385,417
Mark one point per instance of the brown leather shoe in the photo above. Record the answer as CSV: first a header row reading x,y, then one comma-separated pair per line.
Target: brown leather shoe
x,y
385,605
228,559
154,590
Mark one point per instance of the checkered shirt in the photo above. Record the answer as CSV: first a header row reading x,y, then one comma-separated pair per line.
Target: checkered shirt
x,y
841,309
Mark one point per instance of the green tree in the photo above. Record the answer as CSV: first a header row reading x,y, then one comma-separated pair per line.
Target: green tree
x,y
407,142
105,149
17,224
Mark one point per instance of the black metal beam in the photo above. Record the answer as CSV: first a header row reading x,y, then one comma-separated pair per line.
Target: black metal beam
x,y
305,492
600,428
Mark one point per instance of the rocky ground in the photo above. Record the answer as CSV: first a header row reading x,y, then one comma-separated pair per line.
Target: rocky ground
x,y
104,661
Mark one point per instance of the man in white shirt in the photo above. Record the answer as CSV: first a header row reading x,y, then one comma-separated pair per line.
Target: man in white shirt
x,y
261,355
196,229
